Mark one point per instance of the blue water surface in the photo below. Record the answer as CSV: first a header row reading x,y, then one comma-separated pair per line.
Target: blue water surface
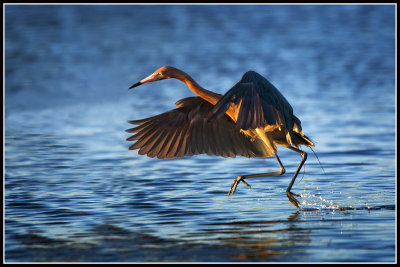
x,y
75,193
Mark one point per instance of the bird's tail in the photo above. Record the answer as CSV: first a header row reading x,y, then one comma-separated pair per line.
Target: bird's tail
x,y
302,139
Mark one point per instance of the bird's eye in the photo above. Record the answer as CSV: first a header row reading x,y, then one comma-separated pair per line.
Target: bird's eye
x,y
160,74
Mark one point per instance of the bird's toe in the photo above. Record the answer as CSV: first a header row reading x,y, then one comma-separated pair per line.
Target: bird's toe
x,y
235,184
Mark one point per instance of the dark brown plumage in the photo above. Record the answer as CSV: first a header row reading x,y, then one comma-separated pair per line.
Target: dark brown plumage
x,y
186,131
249,120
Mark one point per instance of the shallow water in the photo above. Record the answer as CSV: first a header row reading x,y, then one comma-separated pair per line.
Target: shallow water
x,y
73,191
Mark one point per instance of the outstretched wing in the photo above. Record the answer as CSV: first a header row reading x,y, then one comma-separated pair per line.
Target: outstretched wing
x,y
186,131
257,103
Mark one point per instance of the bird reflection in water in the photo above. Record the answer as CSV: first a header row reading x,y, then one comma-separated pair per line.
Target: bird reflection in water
x,y
249,120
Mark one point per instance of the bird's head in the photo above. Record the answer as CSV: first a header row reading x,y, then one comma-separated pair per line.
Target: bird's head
x,y
162,73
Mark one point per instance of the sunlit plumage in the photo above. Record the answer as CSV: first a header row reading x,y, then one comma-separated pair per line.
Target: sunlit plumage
x,y
249,120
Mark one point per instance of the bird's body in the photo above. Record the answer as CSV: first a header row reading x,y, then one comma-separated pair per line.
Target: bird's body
x,y
249,120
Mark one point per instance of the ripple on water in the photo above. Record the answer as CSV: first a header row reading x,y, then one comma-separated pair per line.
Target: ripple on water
x,y
74,192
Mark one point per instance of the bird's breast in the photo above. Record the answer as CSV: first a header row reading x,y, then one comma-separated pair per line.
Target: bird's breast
x,y
273,134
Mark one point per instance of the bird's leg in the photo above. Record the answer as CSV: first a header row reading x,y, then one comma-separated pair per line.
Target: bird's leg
x,y
303,159
241,178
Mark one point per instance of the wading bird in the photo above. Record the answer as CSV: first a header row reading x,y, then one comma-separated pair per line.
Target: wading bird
x,y
249,120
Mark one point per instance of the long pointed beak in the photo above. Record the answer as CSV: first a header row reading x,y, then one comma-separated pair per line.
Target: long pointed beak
x,y
136,84
151,78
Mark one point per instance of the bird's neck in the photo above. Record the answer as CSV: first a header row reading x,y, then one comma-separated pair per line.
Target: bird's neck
x,y
209,96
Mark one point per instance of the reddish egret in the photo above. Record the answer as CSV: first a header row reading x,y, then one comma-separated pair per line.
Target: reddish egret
x,y
249,120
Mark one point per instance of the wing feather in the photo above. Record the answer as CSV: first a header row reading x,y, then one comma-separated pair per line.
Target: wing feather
x,y
186,131
182,144
259,104
150,148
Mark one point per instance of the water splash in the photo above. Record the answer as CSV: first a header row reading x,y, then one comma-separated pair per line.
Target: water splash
x,y
312,201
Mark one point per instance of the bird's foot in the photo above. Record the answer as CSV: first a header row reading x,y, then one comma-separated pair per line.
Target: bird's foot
x,y
235,184
293,200
293,194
